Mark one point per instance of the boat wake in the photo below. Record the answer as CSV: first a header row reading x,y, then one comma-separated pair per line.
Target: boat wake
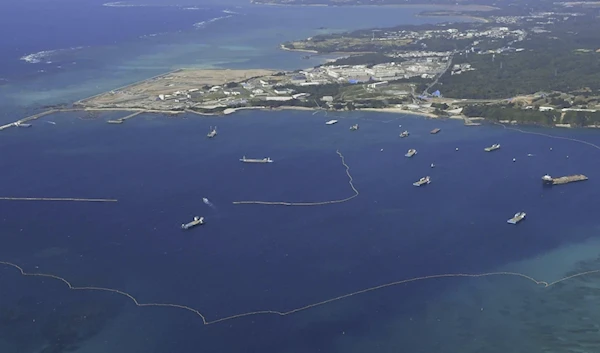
x,y
209,204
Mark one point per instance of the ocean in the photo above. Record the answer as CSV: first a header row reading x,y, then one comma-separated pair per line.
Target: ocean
x,y
314,269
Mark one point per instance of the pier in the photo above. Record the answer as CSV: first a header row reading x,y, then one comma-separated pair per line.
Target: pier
x,y
122,120
548,180
34,117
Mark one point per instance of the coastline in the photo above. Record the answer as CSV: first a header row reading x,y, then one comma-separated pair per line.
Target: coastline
x,y
474,18
282,47
395,110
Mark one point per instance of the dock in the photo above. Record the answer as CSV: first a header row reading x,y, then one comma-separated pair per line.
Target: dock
x,y
122,120
435,131
548,180
33,117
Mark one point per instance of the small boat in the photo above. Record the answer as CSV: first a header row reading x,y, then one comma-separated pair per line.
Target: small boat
x,y
212,133
435,131
411,152
354,127
197,220
432,165
331,122
404,134
423,181
18,124
492,147
518,217
255,160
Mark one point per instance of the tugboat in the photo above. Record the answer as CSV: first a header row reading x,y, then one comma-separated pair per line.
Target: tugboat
x,y
197,220
212,133
404,134
354,127
423,181
411,152
254,160
518,217
492,147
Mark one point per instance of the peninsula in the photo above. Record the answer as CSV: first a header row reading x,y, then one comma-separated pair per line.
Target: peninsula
x,y
537,67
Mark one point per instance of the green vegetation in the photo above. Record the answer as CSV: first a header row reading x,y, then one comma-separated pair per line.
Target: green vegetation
x,y
497,112
512,74
506,112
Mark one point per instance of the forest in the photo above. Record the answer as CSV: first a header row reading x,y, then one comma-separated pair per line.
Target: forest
x,y
498,112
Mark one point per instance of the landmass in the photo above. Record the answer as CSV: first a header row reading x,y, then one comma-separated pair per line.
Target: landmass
x,y
539,68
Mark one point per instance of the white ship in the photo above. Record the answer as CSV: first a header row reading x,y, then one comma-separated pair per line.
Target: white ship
x,y
411,152
404,134
423,181
331,122
492,147
212,133
197,220
255,160
518,217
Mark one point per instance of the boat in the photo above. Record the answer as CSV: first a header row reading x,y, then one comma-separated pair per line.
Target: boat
x,y
331,122
404,134
411,152
255,160
212,133
354,127
197,220
435,131
492,147
518,217
423,181
432,165
18,124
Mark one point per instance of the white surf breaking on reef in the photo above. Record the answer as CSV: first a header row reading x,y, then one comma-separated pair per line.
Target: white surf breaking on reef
x,y
203,24
126,4
46,55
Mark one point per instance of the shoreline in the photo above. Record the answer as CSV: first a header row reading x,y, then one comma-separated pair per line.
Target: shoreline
x,y
474,18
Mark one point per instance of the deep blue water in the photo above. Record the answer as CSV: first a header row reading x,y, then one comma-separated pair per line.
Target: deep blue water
x,y
251,257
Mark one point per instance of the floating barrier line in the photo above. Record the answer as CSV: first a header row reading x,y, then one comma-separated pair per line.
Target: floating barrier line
x,y
550,136
303,308
321,203
55,199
